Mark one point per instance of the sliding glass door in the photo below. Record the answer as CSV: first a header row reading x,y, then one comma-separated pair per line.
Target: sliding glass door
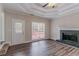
x,y
38,30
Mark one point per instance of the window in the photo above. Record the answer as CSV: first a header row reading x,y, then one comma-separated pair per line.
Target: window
x,y
18,27
38,30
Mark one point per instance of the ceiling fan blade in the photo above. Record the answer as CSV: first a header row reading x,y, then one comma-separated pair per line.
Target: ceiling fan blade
x,y
45,5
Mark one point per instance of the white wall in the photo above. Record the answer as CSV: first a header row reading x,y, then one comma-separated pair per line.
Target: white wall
x,y
28,20
2,38
68,21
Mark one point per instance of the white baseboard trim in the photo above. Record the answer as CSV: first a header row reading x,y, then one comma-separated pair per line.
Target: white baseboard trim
x,y
35,40
31,41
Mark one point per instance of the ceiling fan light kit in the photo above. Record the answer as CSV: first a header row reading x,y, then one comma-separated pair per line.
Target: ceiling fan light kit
x,y
50,5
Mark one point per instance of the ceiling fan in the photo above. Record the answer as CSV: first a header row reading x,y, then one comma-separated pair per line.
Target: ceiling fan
x,y
51,5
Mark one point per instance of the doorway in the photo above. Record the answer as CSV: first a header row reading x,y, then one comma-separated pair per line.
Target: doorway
x,y
18,31
38,30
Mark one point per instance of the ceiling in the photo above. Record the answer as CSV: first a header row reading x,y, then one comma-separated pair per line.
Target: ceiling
x,y
37,9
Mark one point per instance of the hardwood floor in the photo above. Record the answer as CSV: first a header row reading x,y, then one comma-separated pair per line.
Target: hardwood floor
x,y
43,48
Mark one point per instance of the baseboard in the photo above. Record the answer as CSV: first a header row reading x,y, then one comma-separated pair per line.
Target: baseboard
x,y
52,39
55,39
35,40
30,41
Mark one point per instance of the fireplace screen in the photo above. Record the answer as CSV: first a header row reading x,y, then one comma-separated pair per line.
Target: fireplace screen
x,y
72,37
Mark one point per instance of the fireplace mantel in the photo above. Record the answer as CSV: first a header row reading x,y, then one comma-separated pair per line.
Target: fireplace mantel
x,y
68,28
58,29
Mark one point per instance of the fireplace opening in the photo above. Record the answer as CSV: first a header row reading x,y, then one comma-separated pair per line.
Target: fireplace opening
x,y
71,37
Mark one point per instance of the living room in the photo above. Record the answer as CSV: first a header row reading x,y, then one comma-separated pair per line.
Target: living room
x,y
39,29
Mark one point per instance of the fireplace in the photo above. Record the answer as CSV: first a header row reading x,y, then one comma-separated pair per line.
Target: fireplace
x,y
70,37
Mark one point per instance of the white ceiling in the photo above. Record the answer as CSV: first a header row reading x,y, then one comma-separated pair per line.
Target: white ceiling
x,y
37,9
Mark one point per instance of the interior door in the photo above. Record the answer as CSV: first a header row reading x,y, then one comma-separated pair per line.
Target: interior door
x,y
18,31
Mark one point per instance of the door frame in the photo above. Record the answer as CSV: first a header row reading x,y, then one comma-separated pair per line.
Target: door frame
x,y
32,28
13,21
